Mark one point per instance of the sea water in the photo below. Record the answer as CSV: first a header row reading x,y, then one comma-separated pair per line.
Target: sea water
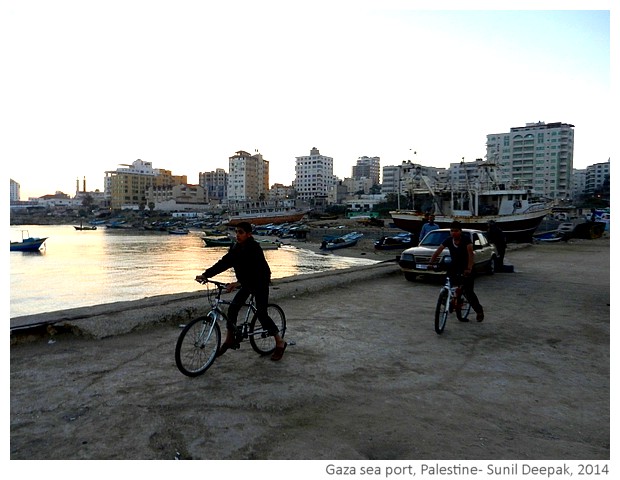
x,y
90,267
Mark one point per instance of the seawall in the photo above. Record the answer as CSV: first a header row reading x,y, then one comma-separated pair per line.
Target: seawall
x,y
105,320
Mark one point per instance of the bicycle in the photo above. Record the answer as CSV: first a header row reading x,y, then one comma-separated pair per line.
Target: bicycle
x,y
451,299
199,342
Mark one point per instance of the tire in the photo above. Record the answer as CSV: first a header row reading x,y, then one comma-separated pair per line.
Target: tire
x,y
197,346
262,342
410,276
463,312
441,312
492,268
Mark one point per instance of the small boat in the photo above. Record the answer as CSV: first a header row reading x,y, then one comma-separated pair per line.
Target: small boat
x,y
217,241
347,240
268,244
178,231
28,243
398,241
85,227
553,236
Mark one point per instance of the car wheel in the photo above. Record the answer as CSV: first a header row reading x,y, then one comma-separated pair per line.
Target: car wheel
x,y
410,276
492,266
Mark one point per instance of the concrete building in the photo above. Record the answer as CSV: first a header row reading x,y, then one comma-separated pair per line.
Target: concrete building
x,y
248,177
538,156
127,186
215,183
596,175
367,167
314,176
14,191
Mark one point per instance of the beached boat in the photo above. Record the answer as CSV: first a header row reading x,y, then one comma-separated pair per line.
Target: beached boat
x,y
395,242
178,231
347,240
268,244
218,241
474,204
28,243
262,213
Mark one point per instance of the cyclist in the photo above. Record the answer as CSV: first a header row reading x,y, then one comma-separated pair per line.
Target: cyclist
x,y
246,257
462,256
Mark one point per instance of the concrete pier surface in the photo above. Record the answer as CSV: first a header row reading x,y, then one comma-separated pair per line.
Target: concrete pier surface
x,y
365,376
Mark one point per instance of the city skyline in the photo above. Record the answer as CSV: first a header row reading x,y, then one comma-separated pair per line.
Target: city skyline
x,y
186,86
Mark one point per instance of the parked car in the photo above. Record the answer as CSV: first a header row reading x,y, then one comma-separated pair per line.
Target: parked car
x,y
414,261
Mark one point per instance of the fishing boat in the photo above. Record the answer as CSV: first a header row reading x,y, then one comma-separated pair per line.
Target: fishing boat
x,y
84,227
217,241
347,240
474,204
268,244
28,243
263,213
178,231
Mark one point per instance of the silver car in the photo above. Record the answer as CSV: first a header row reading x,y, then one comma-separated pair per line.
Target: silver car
x,y
414,261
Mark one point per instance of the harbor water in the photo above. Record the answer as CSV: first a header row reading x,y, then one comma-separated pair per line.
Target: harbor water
x,y
90,267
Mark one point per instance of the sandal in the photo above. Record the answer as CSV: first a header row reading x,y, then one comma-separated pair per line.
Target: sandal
x,y
278,353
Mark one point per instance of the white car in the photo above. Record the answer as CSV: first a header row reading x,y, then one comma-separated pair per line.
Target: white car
x,y
414,261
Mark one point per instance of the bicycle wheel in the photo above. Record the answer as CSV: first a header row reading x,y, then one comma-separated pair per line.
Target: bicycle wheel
x,y
260,339
197,346
441,312
463,312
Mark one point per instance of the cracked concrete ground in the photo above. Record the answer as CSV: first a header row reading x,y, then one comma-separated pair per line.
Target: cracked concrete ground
x,y
366,378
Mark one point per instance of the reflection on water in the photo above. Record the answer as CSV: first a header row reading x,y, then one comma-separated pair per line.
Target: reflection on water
x,y
90,267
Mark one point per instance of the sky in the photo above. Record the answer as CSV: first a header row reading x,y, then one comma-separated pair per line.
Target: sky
x,y
185,84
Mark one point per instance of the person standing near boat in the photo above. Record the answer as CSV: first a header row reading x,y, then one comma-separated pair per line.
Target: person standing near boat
x,y
496,236
247,259
462,264
428,226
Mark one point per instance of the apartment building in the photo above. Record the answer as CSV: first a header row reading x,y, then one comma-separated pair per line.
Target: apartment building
x,y
127,186
248,177
215,183
596,177
538,156
367,167
14,191
314,176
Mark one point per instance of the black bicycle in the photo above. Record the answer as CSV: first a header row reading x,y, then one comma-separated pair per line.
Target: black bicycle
x,y
199,341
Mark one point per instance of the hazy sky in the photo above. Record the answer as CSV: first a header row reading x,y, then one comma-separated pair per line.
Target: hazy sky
x,y
90,85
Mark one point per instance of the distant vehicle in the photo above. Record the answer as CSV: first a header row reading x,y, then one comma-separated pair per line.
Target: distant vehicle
x,y
414,261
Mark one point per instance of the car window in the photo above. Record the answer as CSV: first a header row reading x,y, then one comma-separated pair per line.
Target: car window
x,y
435,238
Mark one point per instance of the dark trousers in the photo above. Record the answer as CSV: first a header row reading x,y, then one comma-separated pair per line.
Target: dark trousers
x,y
467,284
261,296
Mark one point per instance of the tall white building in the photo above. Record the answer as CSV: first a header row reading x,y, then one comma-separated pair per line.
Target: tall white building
x,y
538,156
14,191
314,175
248,177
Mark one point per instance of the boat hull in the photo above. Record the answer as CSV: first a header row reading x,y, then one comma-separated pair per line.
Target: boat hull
x,y
260,219
518,228
28,245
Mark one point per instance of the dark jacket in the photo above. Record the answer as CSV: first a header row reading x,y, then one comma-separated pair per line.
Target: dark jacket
x,y
248,261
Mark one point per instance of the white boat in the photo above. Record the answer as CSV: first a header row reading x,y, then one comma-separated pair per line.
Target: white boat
x,y
474,205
